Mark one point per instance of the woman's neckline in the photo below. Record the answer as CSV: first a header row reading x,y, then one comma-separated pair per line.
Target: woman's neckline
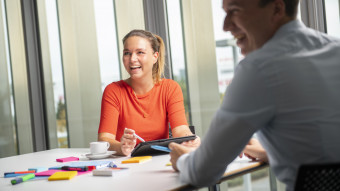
x,y
138,95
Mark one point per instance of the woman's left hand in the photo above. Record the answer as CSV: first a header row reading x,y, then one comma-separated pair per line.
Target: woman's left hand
x,y
193,143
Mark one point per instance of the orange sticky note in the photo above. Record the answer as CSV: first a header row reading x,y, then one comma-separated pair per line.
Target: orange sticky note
x,y
137,159
63,175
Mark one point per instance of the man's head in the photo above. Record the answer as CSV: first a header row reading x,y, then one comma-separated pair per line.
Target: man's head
x,y
291,6
254,22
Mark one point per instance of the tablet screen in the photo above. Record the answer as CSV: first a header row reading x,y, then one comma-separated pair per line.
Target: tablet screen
x,y
144,148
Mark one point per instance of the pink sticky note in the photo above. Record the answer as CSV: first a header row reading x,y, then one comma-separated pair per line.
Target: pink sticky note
x,y
67,159
46,173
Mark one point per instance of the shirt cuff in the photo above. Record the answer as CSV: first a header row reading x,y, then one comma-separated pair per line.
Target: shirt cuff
x,y
181,161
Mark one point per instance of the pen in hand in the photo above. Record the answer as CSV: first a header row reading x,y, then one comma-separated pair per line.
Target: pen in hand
x,y
138,137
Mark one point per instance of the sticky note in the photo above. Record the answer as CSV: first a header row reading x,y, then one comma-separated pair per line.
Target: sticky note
x,y
67,159
63,175
51,172
47,172
137,159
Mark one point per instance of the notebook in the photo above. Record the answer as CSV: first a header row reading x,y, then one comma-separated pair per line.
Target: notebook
x,y
97,164
144,148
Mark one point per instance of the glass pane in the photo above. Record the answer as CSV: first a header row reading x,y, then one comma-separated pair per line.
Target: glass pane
x,y
227,53
177,50
107,42
80,58
8,135
332,17
53,73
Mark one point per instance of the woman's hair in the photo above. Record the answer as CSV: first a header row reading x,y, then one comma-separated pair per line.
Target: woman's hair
x,y
157,45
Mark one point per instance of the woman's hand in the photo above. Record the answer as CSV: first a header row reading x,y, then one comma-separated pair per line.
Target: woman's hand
x,y
193,143
128,141
255,151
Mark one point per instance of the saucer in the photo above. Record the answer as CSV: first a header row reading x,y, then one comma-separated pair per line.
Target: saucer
x,y
100,156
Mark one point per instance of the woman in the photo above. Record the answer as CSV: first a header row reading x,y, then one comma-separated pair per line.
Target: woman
x,y
144,104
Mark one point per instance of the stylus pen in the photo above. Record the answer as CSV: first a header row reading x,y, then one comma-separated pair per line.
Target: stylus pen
x,y
138,137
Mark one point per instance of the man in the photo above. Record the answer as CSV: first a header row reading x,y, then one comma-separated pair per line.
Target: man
x,y
287,89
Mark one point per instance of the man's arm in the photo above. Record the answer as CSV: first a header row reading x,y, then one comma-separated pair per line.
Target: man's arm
x,y
247,107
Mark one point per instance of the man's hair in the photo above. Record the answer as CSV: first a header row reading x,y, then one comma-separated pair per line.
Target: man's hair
x,y
291,6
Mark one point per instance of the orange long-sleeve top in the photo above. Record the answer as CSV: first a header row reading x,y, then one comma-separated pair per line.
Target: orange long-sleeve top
x,y
149,114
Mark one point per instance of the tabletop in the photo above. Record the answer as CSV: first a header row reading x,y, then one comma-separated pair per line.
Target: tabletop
x,y
151,175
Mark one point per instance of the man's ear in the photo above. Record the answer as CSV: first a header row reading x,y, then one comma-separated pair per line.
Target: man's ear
x,y
279,8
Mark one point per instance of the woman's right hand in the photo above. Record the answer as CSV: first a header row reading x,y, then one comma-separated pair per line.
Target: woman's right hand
x,y
128,141
255,151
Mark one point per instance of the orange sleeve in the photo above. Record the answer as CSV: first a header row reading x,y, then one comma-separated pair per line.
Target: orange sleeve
x,y
109,110
176,111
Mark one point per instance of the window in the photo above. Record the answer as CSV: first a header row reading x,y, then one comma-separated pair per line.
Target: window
x,y
332,17
177,50
80,57
8,134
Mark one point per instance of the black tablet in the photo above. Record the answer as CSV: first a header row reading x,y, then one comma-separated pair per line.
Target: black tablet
x,y
144,147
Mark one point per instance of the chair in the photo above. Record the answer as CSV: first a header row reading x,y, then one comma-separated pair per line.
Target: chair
x,y
321,177
192,129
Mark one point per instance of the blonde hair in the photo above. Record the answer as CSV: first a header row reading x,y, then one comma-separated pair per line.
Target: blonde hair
x,y
157,45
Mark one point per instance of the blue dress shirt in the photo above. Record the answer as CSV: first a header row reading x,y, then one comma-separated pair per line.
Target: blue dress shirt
x,y
288,91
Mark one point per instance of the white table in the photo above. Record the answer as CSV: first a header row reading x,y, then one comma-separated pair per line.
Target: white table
x,y
151,175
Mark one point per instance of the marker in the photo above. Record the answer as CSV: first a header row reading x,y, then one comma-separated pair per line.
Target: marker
x,y
138,137
79,168
160,148
22,179
20,172
14,175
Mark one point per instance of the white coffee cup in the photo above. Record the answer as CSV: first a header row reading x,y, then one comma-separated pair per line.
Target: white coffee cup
x,y
99,147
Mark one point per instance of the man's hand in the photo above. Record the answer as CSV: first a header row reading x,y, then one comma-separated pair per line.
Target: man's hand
x,y
255,151
177,150
128,141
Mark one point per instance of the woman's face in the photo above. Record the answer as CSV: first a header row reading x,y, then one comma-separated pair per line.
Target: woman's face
x,y
139,57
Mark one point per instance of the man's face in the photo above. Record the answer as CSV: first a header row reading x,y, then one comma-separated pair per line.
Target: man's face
x,y
250,24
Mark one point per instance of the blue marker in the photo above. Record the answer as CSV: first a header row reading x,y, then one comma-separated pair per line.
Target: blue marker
x,y
160,148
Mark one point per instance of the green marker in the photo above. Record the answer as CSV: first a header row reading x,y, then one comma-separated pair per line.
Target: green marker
x,y
22,179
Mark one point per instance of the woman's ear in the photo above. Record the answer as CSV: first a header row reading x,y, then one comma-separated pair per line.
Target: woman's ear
x,y
155,56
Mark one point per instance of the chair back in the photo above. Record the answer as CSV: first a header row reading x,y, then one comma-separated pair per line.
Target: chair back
x,y
325,177
192,129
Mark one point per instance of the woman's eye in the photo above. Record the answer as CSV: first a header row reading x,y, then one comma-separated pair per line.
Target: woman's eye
x,y
126,53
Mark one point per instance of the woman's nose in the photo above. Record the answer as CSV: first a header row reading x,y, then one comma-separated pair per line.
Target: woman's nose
x,y
133,57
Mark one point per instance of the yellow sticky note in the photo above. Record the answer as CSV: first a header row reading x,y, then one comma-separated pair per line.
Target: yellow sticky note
x,y
168,164
63,175
137,159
